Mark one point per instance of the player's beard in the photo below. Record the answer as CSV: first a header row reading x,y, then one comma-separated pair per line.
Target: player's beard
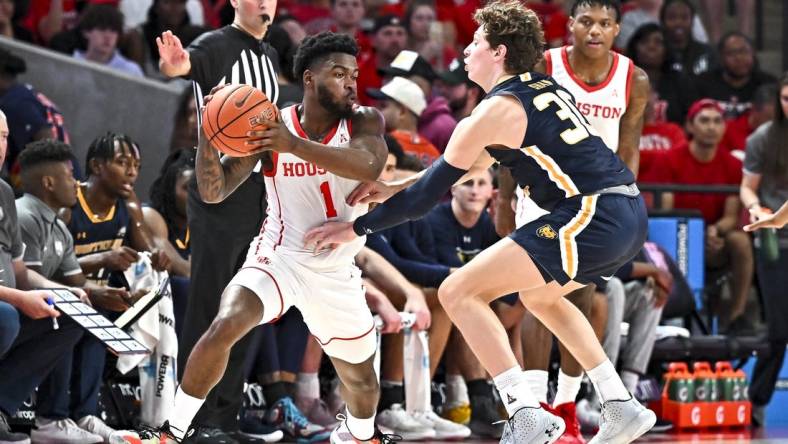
x,y
325,100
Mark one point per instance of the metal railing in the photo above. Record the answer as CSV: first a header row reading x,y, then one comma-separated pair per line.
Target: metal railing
x,y
659,189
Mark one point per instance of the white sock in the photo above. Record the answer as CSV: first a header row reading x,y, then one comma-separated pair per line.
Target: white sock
x,y
361,429
456,391
515,390
186,408
537,380
568,388
307,386
607,383
630,380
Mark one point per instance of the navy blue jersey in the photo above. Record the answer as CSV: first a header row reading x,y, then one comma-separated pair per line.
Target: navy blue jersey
x,y
561,155
456,245
93,234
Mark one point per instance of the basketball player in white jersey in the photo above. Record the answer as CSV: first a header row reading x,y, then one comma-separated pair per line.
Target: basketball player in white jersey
x,y
612,93
313,158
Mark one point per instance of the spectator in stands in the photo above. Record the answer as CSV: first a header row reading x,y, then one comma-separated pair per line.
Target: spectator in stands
x,y
136,12
425,34
30,114
436,122
347,15
685,53
30,347
49,185
401,102
647,284
9,26
744,16
462,229
140,41
184,131
49,17
764,189
733,84
290,91
463,95
738,129
555,22
701,162
657,138
645,12
675,91
102,26
389,37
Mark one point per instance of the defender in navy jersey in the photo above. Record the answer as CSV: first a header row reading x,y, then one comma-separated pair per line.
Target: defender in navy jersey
x,y
597,222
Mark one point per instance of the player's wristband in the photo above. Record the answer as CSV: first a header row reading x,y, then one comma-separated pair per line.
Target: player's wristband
x,y
413,202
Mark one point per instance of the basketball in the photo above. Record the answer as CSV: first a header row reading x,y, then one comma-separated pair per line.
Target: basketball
x,y
232,112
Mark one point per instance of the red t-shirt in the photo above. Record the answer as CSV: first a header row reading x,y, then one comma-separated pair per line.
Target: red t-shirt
x,y
655,140
736,133
417,145
554,21
681,167
368,77
40,9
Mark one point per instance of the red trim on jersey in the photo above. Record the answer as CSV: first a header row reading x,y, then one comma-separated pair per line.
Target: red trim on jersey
x,y
582,84
281,219
630,71
301,133
276,284
349,123
275,161
347,339
548,62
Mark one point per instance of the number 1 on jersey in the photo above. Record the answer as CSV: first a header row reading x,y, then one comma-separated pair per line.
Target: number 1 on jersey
x,y
330,210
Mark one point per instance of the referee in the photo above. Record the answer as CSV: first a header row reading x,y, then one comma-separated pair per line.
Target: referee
x,y
221,232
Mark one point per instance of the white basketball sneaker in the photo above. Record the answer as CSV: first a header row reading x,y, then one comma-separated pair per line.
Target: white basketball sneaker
x,y
623,422
532,425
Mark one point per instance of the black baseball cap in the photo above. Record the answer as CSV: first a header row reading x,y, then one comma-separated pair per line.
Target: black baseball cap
x,y
387,20
456,74
409,63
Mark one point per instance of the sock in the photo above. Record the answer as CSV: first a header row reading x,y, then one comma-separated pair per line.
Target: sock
x,y
456,391
607,383
361,429
274,391
537,380
568,388
186,408
307,386
630,380
391,392
515,390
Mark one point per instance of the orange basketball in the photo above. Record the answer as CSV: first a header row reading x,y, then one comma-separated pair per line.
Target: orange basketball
x,y
232,112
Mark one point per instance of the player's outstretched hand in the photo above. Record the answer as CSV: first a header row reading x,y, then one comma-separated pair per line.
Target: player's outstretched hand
x,y
322,237
171,50
765,219
371,192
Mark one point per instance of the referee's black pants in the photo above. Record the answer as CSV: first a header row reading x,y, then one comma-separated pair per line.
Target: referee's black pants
x,y
220,235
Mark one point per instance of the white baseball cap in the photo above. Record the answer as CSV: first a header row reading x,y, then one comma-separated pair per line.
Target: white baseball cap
x,y
403,91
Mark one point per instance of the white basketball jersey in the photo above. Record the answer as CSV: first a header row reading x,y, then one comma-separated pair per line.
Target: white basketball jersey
x,y
302,196
603,104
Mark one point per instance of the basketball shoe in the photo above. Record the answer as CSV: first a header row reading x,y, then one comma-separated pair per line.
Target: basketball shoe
x,y
460,413
402,423
572,434
444,429
532,425
623,421
342,435
285,416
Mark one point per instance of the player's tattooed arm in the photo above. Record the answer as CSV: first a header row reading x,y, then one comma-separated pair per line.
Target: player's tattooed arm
x,y
631,124
218,176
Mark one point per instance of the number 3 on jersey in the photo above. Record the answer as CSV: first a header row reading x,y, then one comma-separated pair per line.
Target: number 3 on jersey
x,y
330,210
566,110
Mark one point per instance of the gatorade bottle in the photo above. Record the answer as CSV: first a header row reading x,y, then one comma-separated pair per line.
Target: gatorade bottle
x,y
705,382
727,382
680,383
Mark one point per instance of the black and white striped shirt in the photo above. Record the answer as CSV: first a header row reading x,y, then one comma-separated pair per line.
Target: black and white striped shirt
x,y
230,55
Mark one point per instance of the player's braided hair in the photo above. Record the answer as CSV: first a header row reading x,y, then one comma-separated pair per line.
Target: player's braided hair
x,y
610,4
162,191
315,49
103,148
43,151
509,23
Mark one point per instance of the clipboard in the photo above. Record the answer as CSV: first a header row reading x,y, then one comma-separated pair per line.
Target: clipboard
x,y
117,341
145,303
